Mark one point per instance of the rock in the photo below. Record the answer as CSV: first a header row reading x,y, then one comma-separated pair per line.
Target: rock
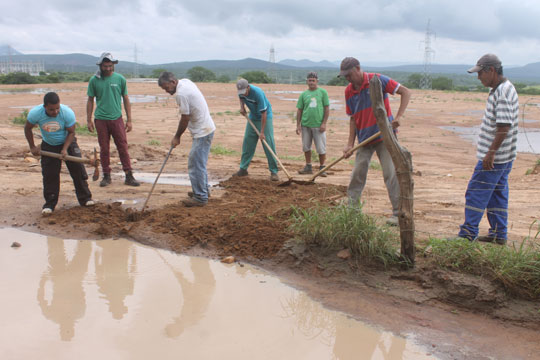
x,y
228,260
15,244
30,160
344,254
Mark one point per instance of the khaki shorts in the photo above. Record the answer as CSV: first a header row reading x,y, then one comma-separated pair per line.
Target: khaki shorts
x,y
310,135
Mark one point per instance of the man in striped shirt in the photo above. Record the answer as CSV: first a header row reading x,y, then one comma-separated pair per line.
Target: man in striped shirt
x,y
496,150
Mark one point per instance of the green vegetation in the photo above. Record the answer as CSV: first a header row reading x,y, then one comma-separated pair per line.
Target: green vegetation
x,y
347,227
375,165
257,77
156,72
44,78
153,142
517,269
21,119
83,130
221,150
201,74
337,81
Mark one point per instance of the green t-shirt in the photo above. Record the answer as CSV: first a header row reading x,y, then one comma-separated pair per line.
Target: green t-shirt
x,y
312,104
108,92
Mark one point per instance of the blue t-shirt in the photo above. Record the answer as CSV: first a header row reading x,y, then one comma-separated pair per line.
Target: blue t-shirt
x,y
53,129
257,103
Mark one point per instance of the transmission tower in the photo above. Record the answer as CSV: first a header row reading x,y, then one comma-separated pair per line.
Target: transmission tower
x,y
135,63
272,60
425,81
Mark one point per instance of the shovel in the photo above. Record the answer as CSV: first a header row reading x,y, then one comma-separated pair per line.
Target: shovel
x,y
327,167
94,162
157,177
269,148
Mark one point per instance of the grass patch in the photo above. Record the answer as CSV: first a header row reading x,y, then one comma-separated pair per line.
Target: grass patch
x,y
83,130
221,150
375,165
347,227
153,142
21,119
516,268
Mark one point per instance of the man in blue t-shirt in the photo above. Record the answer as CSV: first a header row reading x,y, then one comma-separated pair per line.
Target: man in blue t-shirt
x,y
57,125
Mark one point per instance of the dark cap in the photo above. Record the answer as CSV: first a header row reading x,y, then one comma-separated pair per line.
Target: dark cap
x,y
347,65
241,86
107,56
486,61
312,75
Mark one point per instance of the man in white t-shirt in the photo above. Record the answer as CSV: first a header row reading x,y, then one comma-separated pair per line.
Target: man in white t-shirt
x,y
195,116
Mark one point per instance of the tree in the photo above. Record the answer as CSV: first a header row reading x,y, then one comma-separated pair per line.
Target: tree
x,y
442,83
157,72
18,78
413,81
258,77
201,74
337,81
223,79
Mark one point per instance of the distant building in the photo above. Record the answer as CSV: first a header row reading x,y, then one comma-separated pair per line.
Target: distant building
x,y
29,67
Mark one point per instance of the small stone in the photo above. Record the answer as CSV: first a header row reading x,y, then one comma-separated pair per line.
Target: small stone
x,y
344,254
228,260
30,160
15,244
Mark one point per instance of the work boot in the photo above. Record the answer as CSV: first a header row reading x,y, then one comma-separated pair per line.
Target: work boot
x,y
190,202
274,177
191,194
323,174
306,170
106,180
492,239
130,180
241,172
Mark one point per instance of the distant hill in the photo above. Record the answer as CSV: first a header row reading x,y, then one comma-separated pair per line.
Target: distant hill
x,y
6,50
304,63
286,71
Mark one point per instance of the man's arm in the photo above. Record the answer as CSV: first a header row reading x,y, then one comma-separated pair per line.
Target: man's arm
x,y
299,121
502,131
405,94
89,111
322,128
182,125
69,139
242,107
352,136
127,107
30,137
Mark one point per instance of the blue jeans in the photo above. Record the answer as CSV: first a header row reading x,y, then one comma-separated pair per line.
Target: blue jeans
x,y
198,157
487,190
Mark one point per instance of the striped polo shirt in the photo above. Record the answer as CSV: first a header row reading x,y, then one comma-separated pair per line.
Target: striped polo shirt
x,y
358,105
502,108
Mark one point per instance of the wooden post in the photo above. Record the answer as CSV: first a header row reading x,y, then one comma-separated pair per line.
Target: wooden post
x,y
402,160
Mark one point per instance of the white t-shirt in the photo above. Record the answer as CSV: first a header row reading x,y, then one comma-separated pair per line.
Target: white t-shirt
x,y
191,102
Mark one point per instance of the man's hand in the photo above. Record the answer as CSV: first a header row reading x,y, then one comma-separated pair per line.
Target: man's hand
x,y
35,150
129,126
175,141
243,112
90,125
298,129
396,123
347,151
261,136
487,162
322,128
63,153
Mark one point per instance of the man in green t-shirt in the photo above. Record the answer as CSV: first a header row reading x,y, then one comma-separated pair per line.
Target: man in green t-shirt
x,y
311,117
109,89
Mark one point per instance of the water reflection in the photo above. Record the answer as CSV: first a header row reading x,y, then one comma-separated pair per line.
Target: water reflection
x,y
115,264
67,303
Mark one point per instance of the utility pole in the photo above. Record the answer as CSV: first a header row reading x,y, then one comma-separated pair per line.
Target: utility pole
x,y
425,81
272,60
135,63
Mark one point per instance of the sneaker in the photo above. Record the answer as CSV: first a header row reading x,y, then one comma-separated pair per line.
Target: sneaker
x,y
492,239
306,170
106,180
274,177
323,174
392,221
130,180
455,238
90,203
46,211
241,172
190,194
193,203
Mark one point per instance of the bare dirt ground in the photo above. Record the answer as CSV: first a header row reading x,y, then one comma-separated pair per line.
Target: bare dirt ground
x,y
459,316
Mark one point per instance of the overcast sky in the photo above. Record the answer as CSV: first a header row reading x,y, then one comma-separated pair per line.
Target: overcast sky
x,y
374,31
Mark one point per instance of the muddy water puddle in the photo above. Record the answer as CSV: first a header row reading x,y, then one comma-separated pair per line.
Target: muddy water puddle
x,y
117,299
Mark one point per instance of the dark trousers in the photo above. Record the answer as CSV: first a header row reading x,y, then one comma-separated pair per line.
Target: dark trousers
x,y
50,169
115,128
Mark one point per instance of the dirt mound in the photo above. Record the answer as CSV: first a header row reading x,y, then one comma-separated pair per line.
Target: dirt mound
x,y
249,220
